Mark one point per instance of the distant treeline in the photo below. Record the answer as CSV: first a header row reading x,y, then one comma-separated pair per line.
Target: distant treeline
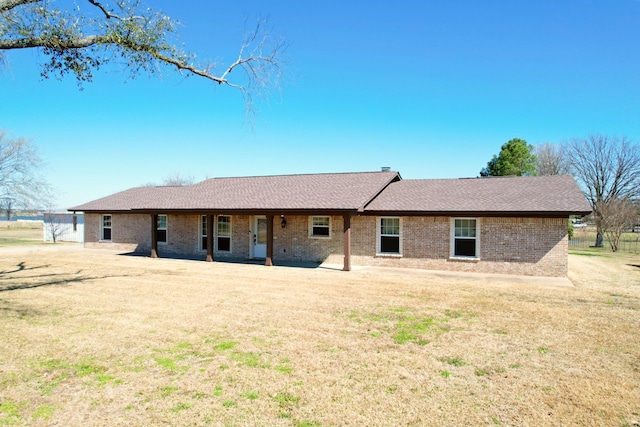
x,y
33,217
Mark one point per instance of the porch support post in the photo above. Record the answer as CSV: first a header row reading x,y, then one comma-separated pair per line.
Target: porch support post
x,y
210,219
269,259
346,240
154,235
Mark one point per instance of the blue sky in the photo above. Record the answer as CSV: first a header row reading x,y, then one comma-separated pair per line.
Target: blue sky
x,y
430,88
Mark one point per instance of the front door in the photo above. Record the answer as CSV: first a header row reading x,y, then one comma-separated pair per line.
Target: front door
x,y
260,237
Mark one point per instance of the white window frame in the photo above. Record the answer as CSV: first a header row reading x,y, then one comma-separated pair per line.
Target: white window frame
x,y
110,227
202,231
218,235
476,238
165,229
312,225
380,235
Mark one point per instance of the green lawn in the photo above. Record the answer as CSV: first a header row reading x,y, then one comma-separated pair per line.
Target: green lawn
x,y
585,238
20,233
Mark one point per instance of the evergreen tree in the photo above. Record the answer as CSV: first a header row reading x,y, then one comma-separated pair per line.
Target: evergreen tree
x,y
516,158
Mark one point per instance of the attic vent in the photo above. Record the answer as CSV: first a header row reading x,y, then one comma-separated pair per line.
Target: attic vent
x,y
386,168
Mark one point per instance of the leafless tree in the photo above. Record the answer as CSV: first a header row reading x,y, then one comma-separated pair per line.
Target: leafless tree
x,y
175,179
553,159
79,38
20,181
178,180
6,204
618,216
54,224
608,169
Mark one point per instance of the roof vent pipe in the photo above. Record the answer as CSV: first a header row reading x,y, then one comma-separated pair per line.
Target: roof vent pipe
x,y
386,168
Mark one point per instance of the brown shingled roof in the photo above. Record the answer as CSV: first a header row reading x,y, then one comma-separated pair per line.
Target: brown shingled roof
x,y
130,199
369,192
495,195
338,191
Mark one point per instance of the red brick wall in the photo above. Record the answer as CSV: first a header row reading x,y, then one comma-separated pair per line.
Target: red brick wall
x,y
525,246
536,246
129,232
294,243
528,246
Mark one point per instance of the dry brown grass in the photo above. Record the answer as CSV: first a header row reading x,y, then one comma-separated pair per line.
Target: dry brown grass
x,y
93,338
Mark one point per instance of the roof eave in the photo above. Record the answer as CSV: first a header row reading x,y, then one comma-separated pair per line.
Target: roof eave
x,y
546,214
81,209
250,211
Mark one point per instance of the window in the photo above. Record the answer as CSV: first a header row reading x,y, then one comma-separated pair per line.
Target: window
x,y
389,236
162,229
320,226
203,233
465,237
224,233
106,227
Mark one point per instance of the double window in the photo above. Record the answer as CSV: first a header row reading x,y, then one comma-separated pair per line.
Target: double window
x,y
223,240
106,228
320,226
389,235
465,237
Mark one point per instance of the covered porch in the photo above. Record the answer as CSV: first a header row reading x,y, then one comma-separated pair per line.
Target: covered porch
x,y
284,230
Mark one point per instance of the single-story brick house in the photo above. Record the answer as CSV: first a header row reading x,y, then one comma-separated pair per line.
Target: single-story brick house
x,y
513,225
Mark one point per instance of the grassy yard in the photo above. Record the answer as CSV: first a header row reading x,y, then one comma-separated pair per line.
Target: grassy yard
x,y
14,233
93,338
586,237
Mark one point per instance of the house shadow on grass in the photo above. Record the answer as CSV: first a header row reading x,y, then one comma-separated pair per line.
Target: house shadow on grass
x,y
245,261
14,279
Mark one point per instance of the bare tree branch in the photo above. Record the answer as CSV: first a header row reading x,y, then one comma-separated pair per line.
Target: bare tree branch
x,y
27,43
552,159
618,216
20,180
78,43
108,14
608,168
176,179
6,5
